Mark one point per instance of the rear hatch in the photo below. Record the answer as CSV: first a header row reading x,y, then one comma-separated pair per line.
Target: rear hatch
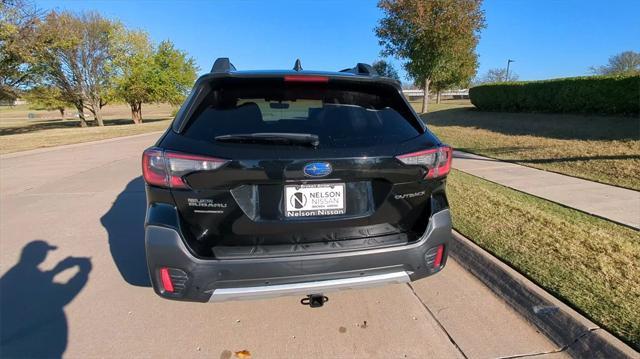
x,y
302,164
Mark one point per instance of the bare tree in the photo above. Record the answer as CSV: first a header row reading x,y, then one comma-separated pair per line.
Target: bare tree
x,y
497,75
624,63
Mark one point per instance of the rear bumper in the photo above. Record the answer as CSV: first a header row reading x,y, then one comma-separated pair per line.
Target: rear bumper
x,y
236,279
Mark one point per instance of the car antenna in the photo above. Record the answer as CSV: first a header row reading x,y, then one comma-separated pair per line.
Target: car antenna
x,y
298,65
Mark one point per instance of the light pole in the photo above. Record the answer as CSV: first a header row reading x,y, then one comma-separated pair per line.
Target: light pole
x,y
508,63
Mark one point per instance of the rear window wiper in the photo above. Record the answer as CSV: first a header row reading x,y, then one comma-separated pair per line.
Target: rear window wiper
x,y
305,139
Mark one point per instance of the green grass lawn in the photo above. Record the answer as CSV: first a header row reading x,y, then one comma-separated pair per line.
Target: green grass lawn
x,y
443,105
590,263
599,148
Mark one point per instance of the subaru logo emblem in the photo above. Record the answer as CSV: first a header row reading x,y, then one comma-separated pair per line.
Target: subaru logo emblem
x,y
317,169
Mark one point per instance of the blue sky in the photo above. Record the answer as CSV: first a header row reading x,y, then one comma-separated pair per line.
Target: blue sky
x,y
547,39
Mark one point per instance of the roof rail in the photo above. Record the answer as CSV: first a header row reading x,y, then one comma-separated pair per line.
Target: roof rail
x,y
223,64
362,69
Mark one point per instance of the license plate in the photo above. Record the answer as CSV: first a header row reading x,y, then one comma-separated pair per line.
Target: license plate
x,y
312,200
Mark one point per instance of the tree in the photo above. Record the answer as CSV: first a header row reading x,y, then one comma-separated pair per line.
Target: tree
x,y
624,63
177,73
18,41
383,68
163,74
432,35
78,59
457,72
498,75
47,98
139,77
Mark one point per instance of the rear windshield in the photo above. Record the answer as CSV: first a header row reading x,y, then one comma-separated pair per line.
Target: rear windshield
x,y
341,115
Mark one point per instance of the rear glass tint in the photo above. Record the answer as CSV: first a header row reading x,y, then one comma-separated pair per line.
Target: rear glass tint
x,y
340,115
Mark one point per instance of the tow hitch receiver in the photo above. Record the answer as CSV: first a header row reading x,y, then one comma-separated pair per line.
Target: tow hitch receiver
x,y
314,300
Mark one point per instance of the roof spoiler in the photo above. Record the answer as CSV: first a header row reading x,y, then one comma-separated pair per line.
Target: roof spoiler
x,y
362,69
223,64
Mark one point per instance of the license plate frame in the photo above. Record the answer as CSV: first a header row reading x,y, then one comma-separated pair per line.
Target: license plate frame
x,y
315,200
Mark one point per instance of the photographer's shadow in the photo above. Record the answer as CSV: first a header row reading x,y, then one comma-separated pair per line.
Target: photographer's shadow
x,y
32,312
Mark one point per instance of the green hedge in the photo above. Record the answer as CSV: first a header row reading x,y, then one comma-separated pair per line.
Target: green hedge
x,y
594,94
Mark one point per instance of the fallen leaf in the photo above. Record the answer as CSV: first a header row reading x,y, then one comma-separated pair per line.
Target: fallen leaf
x,y
243,354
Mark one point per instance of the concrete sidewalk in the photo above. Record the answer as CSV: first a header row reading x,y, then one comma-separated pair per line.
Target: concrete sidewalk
x,y
613,203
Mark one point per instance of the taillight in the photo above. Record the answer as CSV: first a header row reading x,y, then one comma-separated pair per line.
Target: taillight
x,y
437,160
154,168
167,169
180,164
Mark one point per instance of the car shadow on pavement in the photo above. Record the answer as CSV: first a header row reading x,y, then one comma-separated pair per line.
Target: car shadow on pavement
x,y
124,223
32,316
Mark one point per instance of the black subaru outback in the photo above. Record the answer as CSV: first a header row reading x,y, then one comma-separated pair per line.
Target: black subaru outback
x,y
272,183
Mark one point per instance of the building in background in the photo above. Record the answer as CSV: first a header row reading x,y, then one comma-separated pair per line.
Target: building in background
x,y
14,102
416,94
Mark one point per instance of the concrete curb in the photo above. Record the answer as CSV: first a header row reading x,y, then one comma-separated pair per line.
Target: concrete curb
x,y
72,145
571,331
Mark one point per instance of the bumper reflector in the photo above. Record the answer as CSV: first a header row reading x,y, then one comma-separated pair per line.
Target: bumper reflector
x,y
438,260
434,256
167,285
